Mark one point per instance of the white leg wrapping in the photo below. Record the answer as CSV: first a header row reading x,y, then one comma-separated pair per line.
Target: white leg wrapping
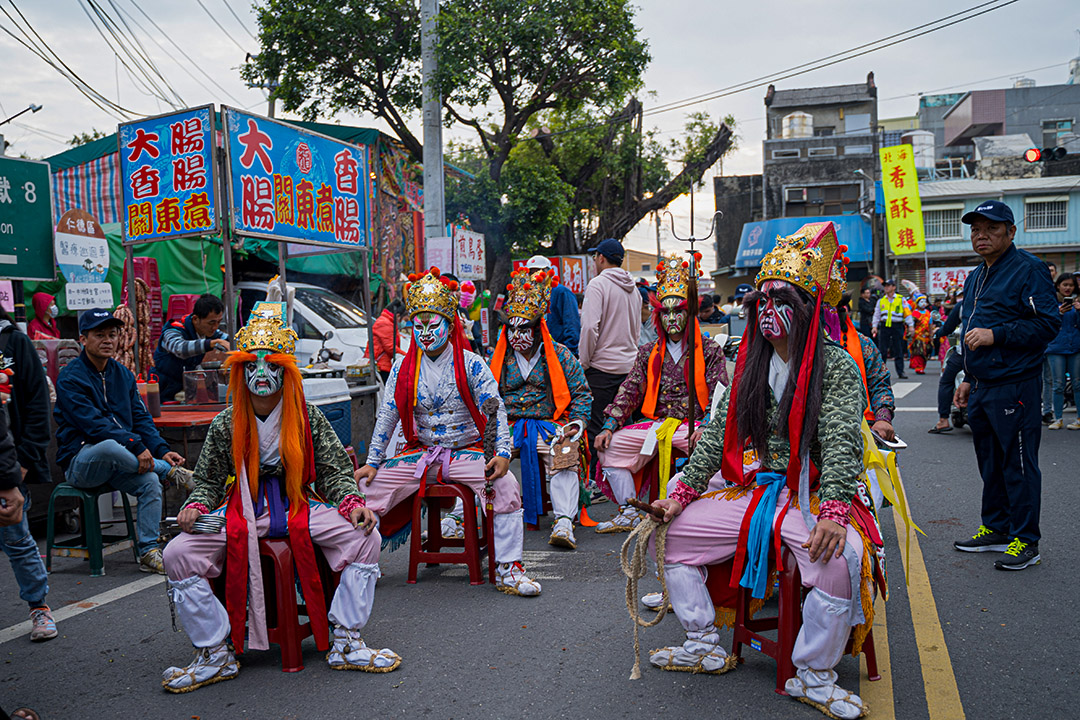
x,y
201,613
621,481
876,476
818,649
564,493
509,536
689,597
355,594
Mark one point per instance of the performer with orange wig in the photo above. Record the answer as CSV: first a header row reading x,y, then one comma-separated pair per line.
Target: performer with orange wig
x,y
435,392
272,466
660,387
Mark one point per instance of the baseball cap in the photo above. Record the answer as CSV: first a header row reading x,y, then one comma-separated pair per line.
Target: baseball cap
x,y
888,281
95,318
742,290
538,262
609,248
991,210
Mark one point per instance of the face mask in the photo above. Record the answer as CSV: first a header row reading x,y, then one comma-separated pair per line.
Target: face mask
x,y
431,331
263,378
54,311
521,338
672,317
774,318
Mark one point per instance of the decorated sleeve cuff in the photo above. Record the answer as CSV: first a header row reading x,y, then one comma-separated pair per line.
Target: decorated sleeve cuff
x,y
198,506
884,413
350,503
508,454
683,494
835,510
611,425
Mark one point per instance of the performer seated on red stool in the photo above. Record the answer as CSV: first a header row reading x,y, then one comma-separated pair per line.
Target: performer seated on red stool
x,y
796,400
272,466
544,388
658,386
435,392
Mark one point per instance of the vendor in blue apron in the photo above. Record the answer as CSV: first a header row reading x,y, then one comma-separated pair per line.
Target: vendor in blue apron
x,y
185,343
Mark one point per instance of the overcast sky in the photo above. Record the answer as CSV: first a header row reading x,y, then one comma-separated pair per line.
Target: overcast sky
x,y
697,46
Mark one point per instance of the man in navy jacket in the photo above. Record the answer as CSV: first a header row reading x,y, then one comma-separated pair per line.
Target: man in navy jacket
x,y
105,436
1010,314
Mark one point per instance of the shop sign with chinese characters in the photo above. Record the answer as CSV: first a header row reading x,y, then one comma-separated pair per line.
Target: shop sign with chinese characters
x,y
903,209
26,220
82,254
169,169
294,185
942,277
470,258
573,272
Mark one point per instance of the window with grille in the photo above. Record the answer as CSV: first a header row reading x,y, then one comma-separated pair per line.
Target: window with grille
x,y
1046,213
942,223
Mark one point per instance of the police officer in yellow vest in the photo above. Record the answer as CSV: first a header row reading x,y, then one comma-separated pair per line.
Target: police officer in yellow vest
x,y
892,319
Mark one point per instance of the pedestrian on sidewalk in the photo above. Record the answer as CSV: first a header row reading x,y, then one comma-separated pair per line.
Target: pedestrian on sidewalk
x,y
610,328
892,319
1063,352
954,362
1010,315
24,395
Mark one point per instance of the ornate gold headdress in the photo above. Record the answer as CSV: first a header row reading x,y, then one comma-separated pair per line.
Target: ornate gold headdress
x,y
528,294
812,259
267,329
672,279
430,292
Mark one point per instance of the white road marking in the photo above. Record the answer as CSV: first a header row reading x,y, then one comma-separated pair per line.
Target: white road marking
x,y
916,409
21,630
903,389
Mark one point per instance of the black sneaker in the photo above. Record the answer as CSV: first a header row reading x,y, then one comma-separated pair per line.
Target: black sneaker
x,y
1018,556
984,540
1047,418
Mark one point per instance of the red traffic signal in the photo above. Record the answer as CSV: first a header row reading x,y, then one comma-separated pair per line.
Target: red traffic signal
x,y
1045,155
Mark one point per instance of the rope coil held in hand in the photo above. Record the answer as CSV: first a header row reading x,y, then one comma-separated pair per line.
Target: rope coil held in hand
x,y
634,565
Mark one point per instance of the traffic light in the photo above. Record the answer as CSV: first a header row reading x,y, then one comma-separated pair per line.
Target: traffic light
x,y
1045,155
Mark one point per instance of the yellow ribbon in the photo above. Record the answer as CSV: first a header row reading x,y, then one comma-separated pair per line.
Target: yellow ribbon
x,y
892,488
665,434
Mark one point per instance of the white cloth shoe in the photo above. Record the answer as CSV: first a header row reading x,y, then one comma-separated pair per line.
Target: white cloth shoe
x,y
210,665
453,528
627,519
819,688
349,652
653,600
701,653
562,535
511,579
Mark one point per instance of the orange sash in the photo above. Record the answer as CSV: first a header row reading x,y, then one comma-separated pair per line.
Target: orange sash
x,y
655,365
560,391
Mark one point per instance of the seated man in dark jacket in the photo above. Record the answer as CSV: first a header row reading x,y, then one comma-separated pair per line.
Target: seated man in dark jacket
x,y
184,343
105,434
1010,313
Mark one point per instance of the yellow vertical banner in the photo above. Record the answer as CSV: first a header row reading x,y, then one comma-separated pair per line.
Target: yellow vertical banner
x,y
903,209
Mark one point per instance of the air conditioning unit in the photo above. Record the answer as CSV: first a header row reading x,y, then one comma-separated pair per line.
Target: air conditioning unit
x,y
794,195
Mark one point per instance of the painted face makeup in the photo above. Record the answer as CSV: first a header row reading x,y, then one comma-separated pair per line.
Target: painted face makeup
x,y
263,378
923,304
520,336
673,315
774,316
431,331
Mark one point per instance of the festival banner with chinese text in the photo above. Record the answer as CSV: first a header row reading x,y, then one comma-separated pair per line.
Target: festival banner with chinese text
x,y
573,272
168,168
295,185
470,256
903,209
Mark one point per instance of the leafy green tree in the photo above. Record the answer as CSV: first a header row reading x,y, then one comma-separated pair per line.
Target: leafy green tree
x,y
86,137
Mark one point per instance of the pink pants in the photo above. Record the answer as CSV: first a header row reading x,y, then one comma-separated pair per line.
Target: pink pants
x,y
626,443
707,532
396,480
188,555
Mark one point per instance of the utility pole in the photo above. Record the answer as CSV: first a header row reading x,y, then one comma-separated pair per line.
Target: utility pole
x,y
434,204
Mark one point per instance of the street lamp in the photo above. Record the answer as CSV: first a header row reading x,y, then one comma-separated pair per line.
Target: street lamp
x,y
32,109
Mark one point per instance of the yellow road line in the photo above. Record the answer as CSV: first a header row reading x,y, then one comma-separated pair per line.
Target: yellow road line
x,y
878,695
939,682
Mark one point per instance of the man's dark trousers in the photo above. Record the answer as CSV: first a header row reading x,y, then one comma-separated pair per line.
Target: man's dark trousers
x,y
604,387
946,388
891,339
1006,425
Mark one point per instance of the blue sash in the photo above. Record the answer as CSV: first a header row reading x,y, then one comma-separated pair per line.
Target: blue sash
x,y
525,431
272,497
759,538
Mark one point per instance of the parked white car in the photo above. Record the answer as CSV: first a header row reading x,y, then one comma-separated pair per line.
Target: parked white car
x,y
317,311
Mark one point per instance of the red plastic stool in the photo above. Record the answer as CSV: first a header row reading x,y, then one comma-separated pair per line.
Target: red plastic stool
x,y
283,626
438,496
787,622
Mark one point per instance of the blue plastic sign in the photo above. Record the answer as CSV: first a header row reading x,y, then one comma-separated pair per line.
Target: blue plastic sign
x,y
168,168
294,185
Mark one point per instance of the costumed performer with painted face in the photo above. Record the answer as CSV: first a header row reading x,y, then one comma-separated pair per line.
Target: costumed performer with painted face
x,y
436,391
272,466
796,403
659,387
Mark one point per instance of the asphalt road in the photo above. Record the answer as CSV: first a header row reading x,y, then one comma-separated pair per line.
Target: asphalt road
x,y
963,640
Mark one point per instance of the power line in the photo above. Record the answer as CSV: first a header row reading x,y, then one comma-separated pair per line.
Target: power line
x,y
220,26
238,20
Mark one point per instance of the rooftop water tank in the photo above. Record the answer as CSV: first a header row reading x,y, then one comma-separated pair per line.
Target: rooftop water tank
x,y
797,125
922,145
